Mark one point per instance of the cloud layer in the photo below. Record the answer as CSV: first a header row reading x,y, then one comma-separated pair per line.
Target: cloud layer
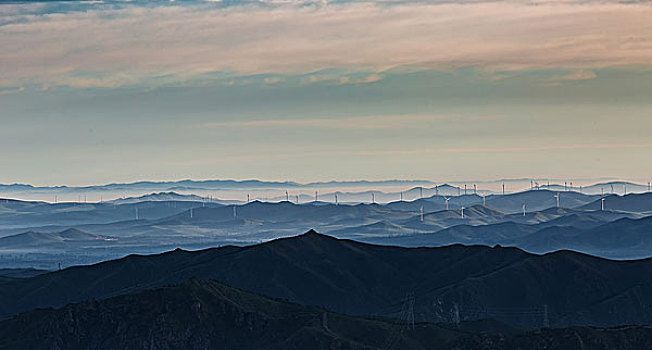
x,y
112,47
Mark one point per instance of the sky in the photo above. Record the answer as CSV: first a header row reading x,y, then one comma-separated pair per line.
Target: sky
x,y
97,92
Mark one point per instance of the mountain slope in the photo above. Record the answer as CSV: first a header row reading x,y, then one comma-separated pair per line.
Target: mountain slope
x,y
201,314
359,279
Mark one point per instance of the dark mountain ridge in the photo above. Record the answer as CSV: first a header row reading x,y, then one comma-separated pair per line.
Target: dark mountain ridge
x,y
473,282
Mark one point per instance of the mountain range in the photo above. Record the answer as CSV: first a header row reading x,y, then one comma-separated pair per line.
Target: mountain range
x,y
203,314
448,283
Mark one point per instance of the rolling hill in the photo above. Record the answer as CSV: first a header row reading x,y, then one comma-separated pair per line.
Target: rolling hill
x,y
475,282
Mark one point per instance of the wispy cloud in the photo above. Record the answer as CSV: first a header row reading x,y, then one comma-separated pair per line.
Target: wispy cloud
x,y
478,150
11,90
357,122
574,76
117,46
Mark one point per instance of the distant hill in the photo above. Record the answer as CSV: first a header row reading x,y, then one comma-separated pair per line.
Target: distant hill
x,y
169,196
537,200
633,203
507,284
32,238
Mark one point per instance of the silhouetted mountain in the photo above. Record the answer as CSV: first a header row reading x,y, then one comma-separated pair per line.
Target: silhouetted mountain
x,y
202,314
359,279
7,275
573,338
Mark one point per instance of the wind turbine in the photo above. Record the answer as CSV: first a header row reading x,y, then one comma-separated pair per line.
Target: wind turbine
x,y
336,199
503,188
465,189
247,197
436,190
557,198
462,212
524,210
475,189
602,207
287,196
316,196
401,196
447,199
191,213
297,199
373,198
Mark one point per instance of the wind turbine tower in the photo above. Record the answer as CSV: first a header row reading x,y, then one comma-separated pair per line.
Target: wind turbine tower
x,y
462,212
401,196
336,199
503,188
316,197
557,198
287,196
602,207
373,198
465,189
247,197
475,189
447,199
524,212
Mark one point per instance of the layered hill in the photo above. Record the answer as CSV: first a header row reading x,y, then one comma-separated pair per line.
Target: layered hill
x,y
204,314
448,283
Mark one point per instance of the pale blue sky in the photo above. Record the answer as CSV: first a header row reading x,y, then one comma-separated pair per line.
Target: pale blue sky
x,y
160,92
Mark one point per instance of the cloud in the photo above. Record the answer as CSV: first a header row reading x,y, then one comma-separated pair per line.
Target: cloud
x,y
577,75
11,90
131,45
477,150
356,122
272,80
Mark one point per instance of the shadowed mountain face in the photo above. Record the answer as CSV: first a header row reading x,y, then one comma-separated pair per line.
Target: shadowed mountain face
x,y
449,283
202,314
